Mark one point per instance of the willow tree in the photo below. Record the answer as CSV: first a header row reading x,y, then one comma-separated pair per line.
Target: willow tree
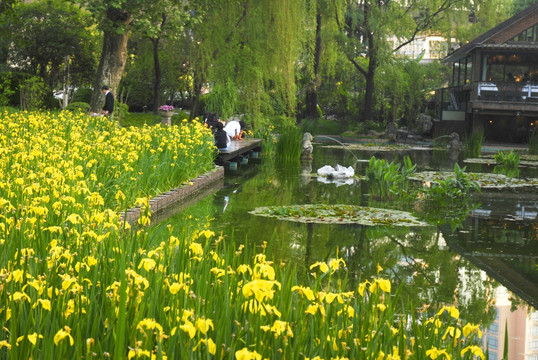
x,y
247,51
366,27
320,33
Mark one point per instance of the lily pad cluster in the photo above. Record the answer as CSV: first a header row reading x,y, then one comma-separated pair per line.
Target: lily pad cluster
x,y
485,180
490,160
339,214
377,147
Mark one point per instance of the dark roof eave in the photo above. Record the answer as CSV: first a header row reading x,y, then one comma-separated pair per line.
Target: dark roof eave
x,y
462,51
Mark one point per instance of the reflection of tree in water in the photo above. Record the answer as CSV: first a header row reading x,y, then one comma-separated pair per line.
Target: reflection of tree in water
x,y
433,276
431,273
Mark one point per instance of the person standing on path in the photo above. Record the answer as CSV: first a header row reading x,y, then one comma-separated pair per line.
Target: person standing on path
x,y
108,108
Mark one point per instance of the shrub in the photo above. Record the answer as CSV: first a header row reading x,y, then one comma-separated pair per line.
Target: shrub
x,y
33,93
78,106
121,110
83,94
11,82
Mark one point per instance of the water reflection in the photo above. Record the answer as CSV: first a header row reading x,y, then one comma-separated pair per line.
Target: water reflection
x,y
497,243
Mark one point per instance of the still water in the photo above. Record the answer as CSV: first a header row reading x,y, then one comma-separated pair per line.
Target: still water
x,y
487,266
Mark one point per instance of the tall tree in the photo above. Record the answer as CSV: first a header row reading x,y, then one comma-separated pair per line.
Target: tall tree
x,y
483,15
251,46
43,34
114,18
365,28
164,19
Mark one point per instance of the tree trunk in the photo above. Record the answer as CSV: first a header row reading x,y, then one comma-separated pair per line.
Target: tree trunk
x,y
113,58
158,76
312,89
367,113
196,97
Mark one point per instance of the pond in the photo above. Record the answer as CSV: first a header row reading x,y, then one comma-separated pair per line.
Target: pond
x,y
486,265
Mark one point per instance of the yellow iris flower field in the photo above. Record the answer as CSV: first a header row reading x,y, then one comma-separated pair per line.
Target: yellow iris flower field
x,y
77,283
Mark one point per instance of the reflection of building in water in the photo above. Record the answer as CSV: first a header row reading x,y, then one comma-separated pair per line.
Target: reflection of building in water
x,y
522,328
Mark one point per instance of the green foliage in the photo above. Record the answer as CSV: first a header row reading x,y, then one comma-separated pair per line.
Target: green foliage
x,y
364,127
121,110
507,164
481,18
83,94
455,187
321,126
223,100
255,47
33,93
11,92
339,214
510,159
288,146
473,145
388,179
448,200
7,90
81,106
405,88
44,33
139,119
533,143
265,132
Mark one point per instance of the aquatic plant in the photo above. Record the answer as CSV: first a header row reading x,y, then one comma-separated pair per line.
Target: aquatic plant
x,y
533,143
511,159
448,200
265,132
473,144
388,179
288,146
507,164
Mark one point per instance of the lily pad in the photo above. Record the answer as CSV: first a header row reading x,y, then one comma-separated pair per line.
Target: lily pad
x,y
339,214
490,160
485,180
377,147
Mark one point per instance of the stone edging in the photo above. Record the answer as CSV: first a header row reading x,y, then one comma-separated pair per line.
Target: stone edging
x,y
169,198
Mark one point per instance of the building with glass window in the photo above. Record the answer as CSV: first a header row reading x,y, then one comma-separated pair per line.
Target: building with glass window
x,y
494,85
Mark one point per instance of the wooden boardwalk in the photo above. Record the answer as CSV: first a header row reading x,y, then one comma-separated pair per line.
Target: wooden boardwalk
x,y
239,147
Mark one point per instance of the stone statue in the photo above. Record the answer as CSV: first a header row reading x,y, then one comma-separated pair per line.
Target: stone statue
x,y
454,144
306,147
391,131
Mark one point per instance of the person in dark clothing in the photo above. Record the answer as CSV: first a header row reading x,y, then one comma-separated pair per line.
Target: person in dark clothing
x,y
221,137
108,108
211,120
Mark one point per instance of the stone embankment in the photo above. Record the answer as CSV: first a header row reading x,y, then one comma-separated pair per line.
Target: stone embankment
x,y
180,194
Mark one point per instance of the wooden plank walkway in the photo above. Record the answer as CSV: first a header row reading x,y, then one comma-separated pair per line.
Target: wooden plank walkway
x,y
238,147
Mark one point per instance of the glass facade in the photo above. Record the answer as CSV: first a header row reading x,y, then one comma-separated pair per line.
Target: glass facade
x,y
510,67
462,72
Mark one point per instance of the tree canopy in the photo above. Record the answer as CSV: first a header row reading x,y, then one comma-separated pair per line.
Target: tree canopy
x,y
277,62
